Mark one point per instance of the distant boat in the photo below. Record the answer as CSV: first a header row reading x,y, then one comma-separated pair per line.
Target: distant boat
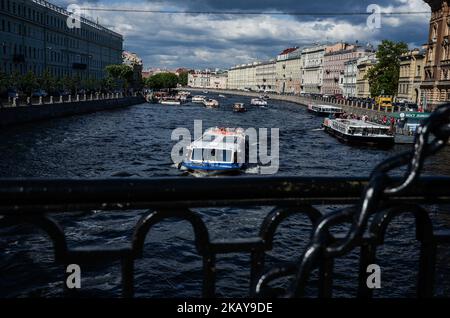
x,y
359,132
205,92
222,96
239,108
325,110
170,101
211,103
258,102
198,99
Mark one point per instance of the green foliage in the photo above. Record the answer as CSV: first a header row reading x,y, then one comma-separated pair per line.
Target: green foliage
x,y
4,81
162,81
183,78
28,83
383,77
90,84
47,81
121,74
108,83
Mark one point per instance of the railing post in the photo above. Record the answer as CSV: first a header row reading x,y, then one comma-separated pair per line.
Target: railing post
x,y
427,264
326,278
366,258
209,275
61,99
40,100
51,100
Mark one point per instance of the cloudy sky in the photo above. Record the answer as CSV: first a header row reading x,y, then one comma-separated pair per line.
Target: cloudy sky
x,y
199,40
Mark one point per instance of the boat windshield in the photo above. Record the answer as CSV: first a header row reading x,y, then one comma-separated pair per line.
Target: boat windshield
x,y
214,155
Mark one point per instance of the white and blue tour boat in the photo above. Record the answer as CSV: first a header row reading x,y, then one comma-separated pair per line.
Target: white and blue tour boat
x,y
210,103
359,132
258,102
219,150
325,110
198,99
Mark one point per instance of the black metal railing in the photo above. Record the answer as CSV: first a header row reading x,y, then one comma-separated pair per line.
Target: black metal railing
x,y
372,204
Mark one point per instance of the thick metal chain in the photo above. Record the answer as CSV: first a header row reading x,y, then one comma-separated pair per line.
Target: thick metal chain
x,y
380,186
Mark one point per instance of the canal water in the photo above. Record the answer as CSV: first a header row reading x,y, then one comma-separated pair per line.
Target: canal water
x,y
135,142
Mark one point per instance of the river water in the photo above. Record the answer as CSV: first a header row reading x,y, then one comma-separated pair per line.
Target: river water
x,y
136,142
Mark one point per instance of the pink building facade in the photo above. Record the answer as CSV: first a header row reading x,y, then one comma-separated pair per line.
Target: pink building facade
x,y
334,65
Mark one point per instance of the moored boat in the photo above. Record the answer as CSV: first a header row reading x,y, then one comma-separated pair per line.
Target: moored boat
x,y
211,103
359,132
258,102
239,108
219,150
198,99
170,101
325,110
222,96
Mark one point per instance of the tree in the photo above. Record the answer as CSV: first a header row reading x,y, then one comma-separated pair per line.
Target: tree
x,y
183,78
28,83
120,73
47,81
4,82
384,76
162,81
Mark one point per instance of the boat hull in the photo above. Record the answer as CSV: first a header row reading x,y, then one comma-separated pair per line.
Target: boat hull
x,y
170,103
361,140
212,168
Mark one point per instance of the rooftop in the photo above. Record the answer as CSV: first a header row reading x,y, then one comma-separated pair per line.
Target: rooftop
x,y
66,13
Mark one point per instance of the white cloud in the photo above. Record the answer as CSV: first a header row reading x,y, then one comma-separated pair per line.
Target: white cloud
x,y
199,40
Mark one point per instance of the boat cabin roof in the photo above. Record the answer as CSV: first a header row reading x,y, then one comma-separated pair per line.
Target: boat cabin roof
x,y
328,107
361,124
220,138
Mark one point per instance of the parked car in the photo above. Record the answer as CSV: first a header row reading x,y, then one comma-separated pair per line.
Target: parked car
x,y
39,93
11,92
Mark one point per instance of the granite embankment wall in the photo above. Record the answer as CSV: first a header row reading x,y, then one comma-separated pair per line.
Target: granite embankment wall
x,y
26,114
350,107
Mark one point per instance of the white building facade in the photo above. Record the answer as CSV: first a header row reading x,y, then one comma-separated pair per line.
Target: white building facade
x,y
312,69
265,76
243,77
288,69
206,79
349,78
